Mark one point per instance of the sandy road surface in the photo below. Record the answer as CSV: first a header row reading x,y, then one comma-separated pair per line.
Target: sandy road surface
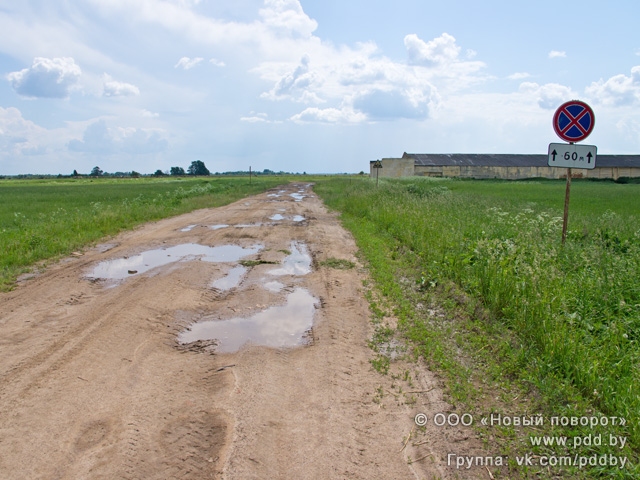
x,y
94,384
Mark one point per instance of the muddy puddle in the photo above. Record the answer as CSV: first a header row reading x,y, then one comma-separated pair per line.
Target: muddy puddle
x,y
278,326
231,280
188,228
218,227
121,268
298,262
278,216
273,286
248,225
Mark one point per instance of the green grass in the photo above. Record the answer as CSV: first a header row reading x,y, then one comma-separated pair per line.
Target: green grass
x,y
253,263
337,263
560,324
43,219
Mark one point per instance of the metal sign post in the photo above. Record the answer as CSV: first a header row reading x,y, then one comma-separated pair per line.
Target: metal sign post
x,y
565,218
572,122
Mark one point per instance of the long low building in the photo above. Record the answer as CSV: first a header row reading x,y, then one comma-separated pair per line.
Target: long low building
x,y
505,166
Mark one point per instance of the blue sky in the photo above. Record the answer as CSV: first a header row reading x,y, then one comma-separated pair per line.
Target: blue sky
x,y
297,85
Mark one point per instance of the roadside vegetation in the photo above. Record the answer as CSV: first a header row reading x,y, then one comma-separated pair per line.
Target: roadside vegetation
x,y
44,219
515,323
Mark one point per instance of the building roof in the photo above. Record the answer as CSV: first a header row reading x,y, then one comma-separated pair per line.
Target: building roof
x,y
508,160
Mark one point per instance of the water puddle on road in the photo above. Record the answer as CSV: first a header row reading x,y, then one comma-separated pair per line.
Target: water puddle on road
x,y
231,279
273,286
296,263
297,196
248,225
277,217
217,227
122,268
279,326
188,228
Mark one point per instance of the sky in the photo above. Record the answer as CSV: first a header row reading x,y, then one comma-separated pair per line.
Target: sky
x,y
316,86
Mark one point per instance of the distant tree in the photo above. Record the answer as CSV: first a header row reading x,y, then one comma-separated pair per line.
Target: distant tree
x,y
96,172
177,171
158,173
197,167
135,174
75,173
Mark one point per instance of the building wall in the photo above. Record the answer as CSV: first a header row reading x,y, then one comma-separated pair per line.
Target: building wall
x,y
515,173
394,168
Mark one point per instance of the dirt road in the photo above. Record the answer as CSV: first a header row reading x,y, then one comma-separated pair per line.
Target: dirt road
x,y
108,370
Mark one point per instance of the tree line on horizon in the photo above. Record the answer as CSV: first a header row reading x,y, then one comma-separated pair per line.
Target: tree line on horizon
x,y
197,168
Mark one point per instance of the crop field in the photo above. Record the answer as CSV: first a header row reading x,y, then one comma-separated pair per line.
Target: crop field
x,y
558,325
41,219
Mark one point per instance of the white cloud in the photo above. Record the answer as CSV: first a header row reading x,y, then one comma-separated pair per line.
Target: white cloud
x,y
16,132
19,136
185,3
295,85
216,62
255,118
396,103
363,85
46,78
113,88
288,18
618,90
440,50
188,63
276,33
557,54
518,76
147,114
629,128
550,95
328,115
100,139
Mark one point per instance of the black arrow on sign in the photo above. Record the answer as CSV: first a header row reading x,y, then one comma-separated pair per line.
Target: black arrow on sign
x,y
553,154
589,157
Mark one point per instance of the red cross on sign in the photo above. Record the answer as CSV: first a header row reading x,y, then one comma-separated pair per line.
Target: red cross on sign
x,y
573,121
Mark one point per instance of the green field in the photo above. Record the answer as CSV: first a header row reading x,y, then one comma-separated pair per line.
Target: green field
x,y
527,317
43,219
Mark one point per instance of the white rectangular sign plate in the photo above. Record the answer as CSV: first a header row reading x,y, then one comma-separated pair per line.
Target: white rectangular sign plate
x,y
567,155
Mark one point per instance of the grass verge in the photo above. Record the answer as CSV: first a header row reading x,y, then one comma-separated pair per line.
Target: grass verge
x,y
529,327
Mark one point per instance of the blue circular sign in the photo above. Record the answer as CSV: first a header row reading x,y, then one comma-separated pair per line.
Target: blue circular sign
x,y
573,121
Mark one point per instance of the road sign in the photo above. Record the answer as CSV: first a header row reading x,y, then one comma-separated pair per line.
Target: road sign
x,y
573,121
572,156
377,165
